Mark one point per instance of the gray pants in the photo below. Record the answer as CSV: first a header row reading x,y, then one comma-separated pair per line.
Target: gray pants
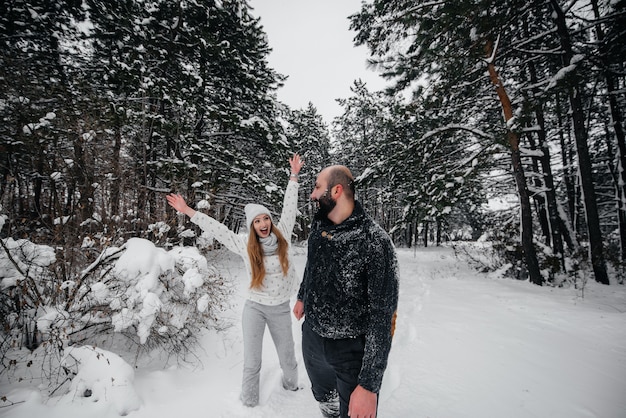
x,y
278,320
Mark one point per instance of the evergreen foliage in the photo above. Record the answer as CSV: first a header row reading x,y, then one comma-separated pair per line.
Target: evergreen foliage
x,y
309,135
543,60
106,108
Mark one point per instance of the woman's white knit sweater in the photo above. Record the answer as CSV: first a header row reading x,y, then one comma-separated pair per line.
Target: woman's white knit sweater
x,y
276,287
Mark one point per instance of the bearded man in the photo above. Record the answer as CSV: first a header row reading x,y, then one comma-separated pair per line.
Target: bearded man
x,y
348,298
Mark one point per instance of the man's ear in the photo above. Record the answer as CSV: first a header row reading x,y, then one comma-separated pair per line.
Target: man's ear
x,y
338,190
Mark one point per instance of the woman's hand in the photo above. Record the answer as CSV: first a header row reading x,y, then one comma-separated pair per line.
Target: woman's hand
x,y
296,164
177,202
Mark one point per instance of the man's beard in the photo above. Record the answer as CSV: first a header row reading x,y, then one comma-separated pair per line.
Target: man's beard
x,y
325,205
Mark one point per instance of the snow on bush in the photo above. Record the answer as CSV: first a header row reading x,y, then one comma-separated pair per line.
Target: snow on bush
x,y
100,376
21,256
156,300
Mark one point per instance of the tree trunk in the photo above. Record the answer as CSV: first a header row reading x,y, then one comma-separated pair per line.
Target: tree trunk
x,y
38,182
117,173
526,221
554,219
142,139
582,148
568,163
548,178
83,173
618,131
438,234
538,197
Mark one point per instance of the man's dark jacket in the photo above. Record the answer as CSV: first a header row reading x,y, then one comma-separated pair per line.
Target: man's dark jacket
x,y
350,287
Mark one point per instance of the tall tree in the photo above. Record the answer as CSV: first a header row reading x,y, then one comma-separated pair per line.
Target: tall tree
x,y
446,42
570,62
611,49
406,178
308,134
361,141
181,92
40,97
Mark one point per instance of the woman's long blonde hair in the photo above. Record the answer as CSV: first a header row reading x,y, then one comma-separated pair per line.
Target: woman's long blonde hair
x,y
255,252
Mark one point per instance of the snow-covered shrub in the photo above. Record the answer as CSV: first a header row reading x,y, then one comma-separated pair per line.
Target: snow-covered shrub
x,y
154,298
162,298
500,250
100,376
25,286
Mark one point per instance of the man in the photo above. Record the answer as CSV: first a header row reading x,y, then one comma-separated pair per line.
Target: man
x,y
348,296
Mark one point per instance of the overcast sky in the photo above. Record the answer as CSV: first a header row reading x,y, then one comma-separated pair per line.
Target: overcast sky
x,y
312,44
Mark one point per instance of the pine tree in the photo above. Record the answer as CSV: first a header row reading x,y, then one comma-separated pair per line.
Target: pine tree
x,y
308,134
447,43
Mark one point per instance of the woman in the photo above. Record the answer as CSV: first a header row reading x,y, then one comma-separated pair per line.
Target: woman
x,y
272,281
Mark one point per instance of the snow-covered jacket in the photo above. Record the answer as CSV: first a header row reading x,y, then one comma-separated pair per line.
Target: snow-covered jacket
x,y
276,287
350,287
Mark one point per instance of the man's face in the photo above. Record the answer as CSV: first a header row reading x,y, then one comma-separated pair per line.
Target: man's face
x,y
325,204
321,195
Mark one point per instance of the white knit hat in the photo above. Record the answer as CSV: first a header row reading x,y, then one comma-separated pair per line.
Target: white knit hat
x,y
253,210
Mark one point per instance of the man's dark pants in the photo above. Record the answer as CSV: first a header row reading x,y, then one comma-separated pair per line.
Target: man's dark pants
x,y
333,366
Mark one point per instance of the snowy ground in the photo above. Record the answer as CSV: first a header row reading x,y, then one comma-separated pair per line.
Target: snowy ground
x,y
466,345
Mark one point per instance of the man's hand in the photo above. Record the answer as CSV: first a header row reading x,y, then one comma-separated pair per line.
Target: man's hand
x,y
362,403
298,309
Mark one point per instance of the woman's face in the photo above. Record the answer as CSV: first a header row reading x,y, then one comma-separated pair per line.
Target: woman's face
x,y
262,225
